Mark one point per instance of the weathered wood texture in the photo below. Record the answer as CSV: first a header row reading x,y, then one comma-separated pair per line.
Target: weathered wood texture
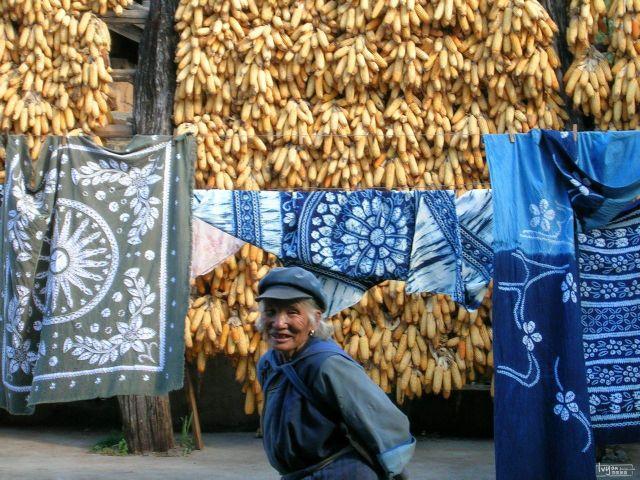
x,y
559,11
155,79
146,423
147,420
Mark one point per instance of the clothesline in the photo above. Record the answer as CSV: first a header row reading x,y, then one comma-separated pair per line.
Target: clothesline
x,y
346,135
427,187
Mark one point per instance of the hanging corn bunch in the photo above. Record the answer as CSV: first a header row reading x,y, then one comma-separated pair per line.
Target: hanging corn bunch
x,y
54,67
624,110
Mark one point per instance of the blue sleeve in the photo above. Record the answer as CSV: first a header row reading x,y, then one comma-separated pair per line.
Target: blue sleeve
x,y
376,423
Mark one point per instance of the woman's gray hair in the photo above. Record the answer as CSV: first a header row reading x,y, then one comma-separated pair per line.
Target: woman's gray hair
x,y
322,329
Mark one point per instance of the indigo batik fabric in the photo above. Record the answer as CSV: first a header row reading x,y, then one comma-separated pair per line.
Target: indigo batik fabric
x,y
547,189
95,269
609,260
355,240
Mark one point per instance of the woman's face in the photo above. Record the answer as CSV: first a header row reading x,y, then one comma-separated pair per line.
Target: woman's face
x,y
288,324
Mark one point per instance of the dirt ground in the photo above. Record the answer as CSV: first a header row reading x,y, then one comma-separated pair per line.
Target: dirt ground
x,y
28,453
50,454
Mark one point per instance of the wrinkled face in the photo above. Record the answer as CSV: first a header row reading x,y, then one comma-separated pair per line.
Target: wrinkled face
x,y
288,324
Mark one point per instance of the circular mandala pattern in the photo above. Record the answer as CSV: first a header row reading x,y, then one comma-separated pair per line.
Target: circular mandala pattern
x,y
81,265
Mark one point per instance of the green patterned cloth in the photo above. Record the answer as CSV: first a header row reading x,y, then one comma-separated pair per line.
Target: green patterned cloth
x,y
95,253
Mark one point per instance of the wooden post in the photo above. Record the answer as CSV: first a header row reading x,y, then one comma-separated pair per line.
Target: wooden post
x,y
193,406
147,420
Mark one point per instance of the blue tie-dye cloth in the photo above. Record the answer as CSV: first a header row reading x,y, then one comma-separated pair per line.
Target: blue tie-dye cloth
x,y
354,240
546,189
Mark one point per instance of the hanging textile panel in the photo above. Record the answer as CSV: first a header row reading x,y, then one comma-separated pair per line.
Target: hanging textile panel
x,y
609,260
548,188
95,266
354,240
210,247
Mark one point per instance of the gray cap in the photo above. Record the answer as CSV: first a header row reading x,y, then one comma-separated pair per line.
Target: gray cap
x,y
288,283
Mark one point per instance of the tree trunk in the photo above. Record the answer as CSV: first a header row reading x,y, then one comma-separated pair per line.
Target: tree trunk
x,y
147,420
559,11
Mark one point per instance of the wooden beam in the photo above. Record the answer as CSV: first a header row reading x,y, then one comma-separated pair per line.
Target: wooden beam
x,y
136,15
123,74
128,31
481,387
115,131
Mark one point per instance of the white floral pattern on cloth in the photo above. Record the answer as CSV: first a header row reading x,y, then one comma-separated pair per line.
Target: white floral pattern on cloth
x,y
531,337
362,234
547,222
609,261
131,336
567,408
137,182
533,272
90,271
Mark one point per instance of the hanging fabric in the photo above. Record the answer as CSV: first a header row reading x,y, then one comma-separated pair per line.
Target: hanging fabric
x,y
210,247
95,267
609,261
547,188
354,240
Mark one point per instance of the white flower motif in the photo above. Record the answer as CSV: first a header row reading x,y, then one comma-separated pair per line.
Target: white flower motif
x,y
131,335
26,205
531,336
542,215
98,381
622,242
569,289
20,356
566,405
290,219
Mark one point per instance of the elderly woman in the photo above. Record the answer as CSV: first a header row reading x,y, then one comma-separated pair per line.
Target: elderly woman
x,y
323,417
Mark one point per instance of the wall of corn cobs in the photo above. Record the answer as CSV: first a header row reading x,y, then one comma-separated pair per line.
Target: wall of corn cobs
x,y
355,94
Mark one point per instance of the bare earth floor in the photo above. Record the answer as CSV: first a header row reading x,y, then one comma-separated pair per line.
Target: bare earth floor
x,y
64,455
28,453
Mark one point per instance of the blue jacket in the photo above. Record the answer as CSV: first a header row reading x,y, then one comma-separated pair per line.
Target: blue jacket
x,y
301,430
